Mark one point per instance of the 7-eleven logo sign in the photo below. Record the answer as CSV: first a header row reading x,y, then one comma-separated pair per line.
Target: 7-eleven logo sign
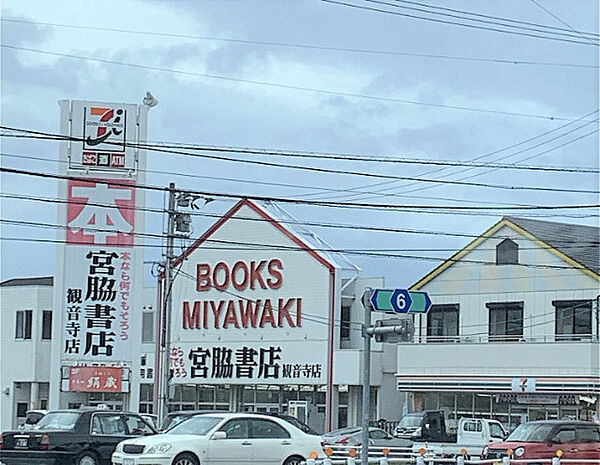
x,y
104,128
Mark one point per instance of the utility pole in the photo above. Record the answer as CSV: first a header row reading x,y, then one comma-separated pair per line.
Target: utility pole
x,y
167,309
366,387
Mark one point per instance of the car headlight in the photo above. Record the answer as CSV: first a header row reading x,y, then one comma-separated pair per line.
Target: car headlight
x,y
519,451
484,452
159,448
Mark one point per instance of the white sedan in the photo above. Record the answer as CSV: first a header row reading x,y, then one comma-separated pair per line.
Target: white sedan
x,y
222,438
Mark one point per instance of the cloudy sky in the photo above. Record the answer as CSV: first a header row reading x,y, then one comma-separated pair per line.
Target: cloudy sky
x,y
316,76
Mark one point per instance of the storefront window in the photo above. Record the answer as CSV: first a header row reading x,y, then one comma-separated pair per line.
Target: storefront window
x,y
483,407
464,405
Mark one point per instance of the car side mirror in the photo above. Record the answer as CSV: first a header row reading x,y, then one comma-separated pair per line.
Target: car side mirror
x,y
219,435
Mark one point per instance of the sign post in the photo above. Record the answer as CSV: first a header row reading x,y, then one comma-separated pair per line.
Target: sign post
x,y
396,301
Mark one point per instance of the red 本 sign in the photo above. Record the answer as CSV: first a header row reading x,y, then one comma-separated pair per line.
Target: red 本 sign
x,y
96,379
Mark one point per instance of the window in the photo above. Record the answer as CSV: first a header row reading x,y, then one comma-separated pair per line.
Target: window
x,y
474,426
22,409
136,426
147,327
496,431
236,429
507,253
564,436
506,321
588,434
47,324
442,323
345,323
109,425
146,393
23,324
265,429
573,319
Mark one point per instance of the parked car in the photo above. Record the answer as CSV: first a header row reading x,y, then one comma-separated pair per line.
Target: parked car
x,y
294,421
472,435
67,437
31,418
427,425
222,438
542,439
352,436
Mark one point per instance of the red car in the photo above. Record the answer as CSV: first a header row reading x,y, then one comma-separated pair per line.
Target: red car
x,y
542,439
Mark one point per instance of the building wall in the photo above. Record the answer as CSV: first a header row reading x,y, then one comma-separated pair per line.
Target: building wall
x,y
26,361
471,284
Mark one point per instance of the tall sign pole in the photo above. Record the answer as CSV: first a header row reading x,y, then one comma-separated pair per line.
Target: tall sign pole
x,y
397,302
366,388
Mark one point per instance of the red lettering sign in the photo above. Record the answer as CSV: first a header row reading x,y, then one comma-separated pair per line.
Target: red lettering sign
x,y
96,379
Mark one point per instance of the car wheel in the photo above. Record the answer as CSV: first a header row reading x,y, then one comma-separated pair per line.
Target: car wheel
x,y
87,459
294,460
186,459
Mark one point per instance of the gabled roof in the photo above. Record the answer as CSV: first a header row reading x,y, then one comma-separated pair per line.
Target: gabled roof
x,y
299,237
41,281
577,241
576,244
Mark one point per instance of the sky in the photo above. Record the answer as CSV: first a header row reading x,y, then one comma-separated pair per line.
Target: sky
x,y
325,78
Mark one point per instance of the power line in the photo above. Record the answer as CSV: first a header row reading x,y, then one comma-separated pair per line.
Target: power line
x,y
579,33
242,245
360,205
265,183
456,23
307,46
550,31
485,156
341,226
472,176
339,156
344,172
494,17
284,86
374,253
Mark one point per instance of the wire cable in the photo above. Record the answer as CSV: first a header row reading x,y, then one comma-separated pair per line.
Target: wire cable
x,y
305,46
283,86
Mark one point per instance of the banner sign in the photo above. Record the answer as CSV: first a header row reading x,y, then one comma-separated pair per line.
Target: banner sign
x,y
98,277
95,379
252,316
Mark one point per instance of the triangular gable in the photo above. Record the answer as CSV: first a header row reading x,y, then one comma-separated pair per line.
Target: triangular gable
x,y
263,214
486,235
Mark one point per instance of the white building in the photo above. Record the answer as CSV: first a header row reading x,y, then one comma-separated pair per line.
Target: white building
x,y
263,314
25,341
513,332
26,344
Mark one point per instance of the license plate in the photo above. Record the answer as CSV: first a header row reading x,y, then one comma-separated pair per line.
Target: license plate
x,y
128,462
21,443
496,462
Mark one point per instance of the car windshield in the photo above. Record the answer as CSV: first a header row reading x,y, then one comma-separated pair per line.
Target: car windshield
x,y
58,420
530,432
410,421
199,425
173,420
